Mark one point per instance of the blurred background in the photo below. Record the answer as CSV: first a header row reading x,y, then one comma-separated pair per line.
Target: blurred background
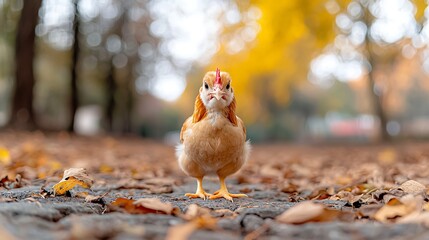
x,y
303,71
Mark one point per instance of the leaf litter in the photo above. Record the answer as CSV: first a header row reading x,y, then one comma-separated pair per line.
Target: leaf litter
x,y
376,183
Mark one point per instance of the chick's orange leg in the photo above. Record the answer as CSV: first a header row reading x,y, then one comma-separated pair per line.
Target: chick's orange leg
x,y
200,191
223,192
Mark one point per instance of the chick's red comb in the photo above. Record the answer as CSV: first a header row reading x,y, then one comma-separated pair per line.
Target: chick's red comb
x,y
218,80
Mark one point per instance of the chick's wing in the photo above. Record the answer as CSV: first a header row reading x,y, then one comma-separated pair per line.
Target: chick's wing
x,y
186,125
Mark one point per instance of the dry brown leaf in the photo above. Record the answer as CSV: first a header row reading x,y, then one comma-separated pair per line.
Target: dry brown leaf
x,y
416,217
151,188
379,194
82,194
388,212
412,187
9,183
368,211
352,199
143,206
343,180
161,181
400,208
425,206
194,211
5,234
181,232
3,181
307,212
270,171
224,213
2,199
157,205
71,178
199,218
322,194
96,199
256,234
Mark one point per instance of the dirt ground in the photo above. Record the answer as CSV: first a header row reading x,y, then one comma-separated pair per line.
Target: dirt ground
x,y
295,191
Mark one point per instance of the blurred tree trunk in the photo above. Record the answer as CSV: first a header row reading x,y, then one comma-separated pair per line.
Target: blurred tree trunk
x,y
127,102
111,103
375,93
377,99
74,69
127,83
119,96
22,104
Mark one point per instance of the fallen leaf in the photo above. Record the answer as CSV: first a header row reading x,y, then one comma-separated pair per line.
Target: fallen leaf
x,y
270,171
368,211
181,232
412,187
30,199
157,205
195,211
96,199
5,234
416,217
256,234
10,183
4,181
143,206
6,200
71,178
151,188
224,213
245,190
43,193
387,156
106,168
399,208
307,212
82,194
198,218
4,156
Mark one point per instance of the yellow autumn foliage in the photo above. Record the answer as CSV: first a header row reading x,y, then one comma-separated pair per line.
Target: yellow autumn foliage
x,y
290,34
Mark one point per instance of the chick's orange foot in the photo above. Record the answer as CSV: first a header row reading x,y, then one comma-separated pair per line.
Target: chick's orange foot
x,y
199,194
225,194
200,191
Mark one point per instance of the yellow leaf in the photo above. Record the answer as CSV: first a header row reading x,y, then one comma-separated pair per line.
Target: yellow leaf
x,y
387,156
4,156
106,168
71,178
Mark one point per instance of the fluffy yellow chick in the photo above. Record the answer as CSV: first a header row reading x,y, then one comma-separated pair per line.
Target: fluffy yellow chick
x,y
213,139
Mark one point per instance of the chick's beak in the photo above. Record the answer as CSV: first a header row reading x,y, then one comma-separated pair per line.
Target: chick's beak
x,y
218,93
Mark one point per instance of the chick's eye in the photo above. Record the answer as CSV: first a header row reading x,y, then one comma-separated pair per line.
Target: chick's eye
x,y
206,85
228,86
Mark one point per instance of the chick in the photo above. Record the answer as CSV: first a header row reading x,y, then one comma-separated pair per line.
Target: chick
x,y
213,139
